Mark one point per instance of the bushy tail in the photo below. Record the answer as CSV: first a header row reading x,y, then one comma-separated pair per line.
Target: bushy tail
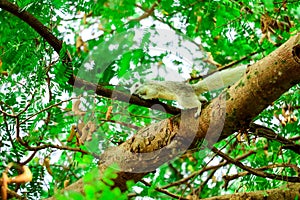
x,y
220,79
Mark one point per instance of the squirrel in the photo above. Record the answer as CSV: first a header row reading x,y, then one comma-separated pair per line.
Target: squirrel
x,y
188,95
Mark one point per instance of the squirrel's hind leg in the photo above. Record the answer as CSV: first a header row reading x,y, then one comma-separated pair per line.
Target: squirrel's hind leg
x,y
201,99
198,112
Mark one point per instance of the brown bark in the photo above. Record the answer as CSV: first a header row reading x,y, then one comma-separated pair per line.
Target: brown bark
x,y
289,192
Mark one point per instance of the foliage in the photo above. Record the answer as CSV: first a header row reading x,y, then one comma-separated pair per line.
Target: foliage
x,y
36,115
96,188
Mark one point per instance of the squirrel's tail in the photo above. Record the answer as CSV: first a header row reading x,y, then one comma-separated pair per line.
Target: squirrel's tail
x,y
220,79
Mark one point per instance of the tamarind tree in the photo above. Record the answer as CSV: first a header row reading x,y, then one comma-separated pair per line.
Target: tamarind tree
x,y
71,129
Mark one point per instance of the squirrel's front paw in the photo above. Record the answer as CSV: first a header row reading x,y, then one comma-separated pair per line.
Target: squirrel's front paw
x,y
198,113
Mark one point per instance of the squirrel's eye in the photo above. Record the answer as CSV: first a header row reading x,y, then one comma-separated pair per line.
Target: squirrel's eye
x,y
136,85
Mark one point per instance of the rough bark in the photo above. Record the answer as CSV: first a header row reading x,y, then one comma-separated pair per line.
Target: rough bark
x,y
288,192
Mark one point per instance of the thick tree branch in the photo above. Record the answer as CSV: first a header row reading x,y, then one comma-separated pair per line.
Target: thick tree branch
x,y
288,192
264,82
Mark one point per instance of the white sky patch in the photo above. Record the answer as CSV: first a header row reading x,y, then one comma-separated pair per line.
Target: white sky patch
x,y
89,65
113,47
231,34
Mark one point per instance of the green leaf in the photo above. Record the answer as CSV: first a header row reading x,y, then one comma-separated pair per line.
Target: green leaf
x,y
269,5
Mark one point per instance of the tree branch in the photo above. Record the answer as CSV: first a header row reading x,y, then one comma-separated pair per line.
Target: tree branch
x,y
287,192
33,22
73,80
147,12
270,134
256,172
